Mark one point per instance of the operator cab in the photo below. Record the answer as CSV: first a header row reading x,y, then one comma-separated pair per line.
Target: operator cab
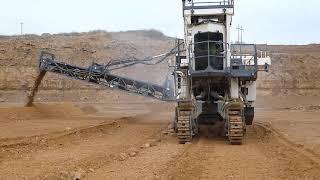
x,y
207,27
208,51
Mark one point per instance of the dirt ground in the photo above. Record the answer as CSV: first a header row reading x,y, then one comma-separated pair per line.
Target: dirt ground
x,y
130,140
79,131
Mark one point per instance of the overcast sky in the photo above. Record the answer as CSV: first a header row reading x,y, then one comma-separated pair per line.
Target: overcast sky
x,y
271,21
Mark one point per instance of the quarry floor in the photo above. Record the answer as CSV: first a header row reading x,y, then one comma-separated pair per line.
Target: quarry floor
x,y
130,140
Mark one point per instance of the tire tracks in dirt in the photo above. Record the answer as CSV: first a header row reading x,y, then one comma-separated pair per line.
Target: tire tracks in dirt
x,y
116,150
11,146
149,163
119,153
262,156
92,147
299,148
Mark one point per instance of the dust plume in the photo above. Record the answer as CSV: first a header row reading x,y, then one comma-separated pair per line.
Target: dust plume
x,y
35,88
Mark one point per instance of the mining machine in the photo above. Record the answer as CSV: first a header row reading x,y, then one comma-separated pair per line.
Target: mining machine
x,y
214,81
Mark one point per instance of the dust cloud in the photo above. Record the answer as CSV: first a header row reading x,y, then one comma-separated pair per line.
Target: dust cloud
x,y
35,88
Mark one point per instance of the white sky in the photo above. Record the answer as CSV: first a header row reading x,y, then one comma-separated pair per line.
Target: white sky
x,y
271,21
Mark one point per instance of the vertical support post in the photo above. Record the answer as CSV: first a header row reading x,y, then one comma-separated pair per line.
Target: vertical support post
x,y
240,33
252,94
238,28
241,29
208,53
256,57
234,88
179,57
192,5
21,28
227,59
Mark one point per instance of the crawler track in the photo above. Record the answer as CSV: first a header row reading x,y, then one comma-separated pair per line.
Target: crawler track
x,y
184,127
236,127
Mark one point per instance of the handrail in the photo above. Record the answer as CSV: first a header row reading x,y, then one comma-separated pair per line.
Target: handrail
x,y
210,41
191,45
263,54
210,4
220,2
248,55
243,49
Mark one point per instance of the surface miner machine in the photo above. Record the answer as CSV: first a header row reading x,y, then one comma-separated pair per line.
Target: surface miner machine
x,y
214,80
